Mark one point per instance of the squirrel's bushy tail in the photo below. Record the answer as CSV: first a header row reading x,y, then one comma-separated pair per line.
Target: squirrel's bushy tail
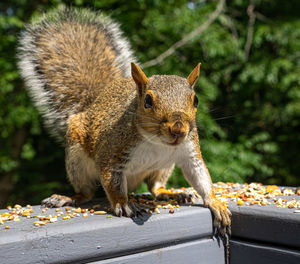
x,y
66,57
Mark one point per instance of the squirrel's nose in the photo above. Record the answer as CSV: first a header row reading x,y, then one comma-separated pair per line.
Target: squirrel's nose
x,y
177,130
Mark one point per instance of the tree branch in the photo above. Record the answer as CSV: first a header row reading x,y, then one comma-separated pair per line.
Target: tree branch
x,y
213,16
252,17
262,18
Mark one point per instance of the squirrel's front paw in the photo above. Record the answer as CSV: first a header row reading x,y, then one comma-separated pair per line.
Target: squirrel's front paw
x,y
56,200
222,221
129,209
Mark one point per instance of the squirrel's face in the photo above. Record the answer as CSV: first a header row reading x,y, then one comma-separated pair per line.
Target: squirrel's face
x,y
167,106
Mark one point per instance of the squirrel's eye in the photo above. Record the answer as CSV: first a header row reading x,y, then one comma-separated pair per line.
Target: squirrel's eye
x,y
148,103
195,101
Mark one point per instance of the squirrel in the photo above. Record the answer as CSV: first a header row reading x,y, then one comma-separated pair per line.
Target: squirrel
x,y
119,127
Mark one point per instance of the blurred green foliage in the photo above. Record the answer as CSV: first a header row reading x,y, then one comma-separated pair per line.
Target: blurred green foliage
x,y
249,107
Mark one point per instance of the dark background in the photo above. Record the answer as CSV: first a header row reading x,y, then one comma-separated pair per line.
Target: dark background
x,y
249,95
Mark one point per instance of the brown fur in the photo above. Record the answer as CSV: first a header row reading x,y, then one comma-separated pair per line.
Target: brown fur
x,y
82,63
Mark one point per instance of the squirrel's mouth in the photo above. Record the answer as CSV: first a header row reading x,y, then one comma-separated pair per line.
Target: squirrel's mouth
x,y
175,143
176,140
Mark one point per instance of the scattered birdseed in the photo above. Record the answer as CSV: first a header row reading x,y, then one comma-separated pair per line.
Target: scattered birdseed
x,y
100,212
77,210
253,194
156,210
85,215
53,219
240,202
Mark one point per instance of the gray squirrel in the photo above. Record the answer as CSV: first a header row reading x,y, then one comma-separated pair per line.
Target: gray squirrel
x,y
119,127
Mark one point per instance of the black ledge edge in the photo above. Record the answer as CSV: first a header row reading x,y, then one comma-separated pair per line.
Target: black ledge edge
x,y
249,253
267,224
96,238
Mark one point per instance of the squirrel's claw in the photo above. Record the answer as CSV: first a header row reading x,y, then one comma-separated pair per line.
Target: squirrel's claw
x,y
56,200
222,221
130,209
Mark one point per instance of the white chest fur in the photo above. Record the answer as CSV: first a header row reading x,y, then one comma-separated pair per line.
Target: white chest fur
x,y
147,156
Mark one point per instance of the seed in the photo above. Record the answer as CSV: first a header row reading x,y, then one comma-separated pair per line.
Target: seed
x,y
100,212
40,222
240,202
53,219
77,210
169,206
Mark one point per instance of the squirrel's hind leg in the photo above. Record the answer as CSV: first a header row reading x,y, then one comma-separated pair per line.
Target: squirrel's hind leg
x,y
57,200
156,182
115,186
83,175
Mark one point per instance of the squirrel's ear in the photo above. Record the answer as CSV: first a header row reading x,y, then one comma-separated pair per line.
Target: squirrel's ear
x,y
139,77
193,77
